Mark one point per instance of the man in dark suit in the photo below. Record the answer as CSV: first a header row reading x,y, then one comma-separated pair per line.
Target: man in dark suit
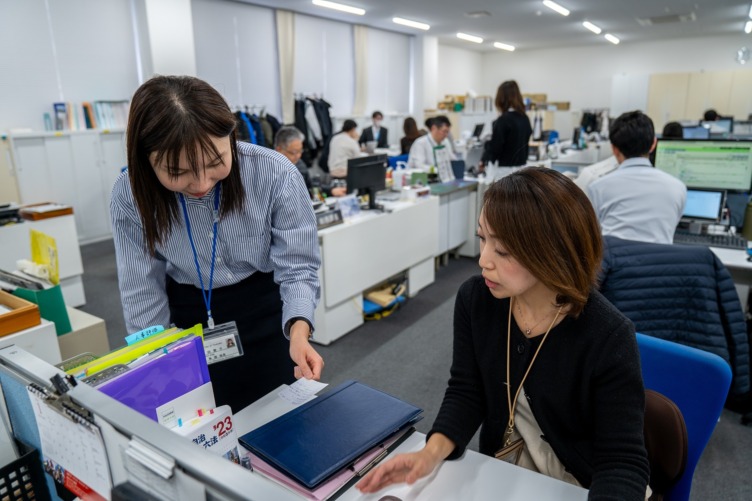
x,y
375,132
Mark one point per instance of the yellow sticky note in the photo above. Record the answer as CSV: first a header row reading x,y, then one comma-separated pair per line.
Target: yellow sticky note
x,y
44,252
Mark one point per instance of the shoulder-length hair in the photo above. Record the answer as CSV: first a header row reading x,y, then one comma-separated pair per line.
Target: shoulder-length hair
x,y
170,115
508,97
548,224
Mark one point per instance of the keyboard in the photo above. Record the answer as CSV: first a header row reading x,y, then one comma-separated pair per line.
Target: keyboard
x,y
725,241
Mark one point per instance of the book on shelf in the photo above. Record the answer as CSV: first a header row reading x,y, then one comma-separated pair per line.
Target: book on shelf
x,y
85,115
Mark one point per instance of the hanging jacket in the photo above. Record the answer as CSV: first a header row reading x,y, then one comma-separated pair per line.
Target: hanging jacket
x,y
680,293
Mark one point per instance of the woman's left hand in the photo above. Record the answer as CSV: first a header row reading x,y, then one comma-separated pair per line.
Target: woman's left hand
x,y
308,363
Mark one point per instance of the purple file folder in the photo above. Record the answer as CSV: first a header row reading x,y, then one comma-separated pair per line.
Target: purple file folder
x,y
144,388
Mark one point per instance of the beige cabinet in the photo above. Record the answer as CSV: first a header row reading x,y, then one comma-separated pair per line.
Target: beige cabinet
x,y
686,96
8,184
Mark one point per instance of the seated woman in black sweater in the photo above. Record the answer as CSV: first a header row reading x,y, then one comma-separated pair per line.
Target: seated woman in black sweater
x,y
511,132
534,318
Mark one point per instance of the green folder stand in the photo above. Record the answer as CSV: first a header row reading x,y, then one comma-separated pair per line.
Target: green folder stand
x,y
51,306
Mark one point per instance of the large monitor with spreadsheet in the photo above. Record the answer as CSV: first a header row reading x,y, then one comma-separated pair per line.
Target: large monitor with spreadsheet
x,y
713,164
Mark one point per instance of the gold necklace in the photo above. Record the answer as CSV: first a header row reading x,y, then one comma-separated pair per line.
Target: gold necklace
x,y
528,331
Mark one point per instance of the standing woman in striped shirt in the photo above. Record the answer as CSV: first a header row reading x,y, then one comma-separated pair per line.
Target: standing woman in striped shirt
x,y
209,230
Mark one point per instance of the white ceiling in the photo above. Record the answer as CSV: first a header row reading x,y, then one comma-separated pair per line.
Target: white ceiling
x,y
528,24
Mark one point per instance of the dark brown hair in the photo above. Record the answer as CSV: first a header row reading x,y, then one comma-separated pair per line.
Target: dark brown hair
x,y
508,96
169,115
410,128
548,224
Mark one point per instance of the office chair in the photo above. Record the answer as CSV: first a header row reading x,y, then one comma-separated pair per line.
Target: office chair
x,y
666,442
698,383
392,161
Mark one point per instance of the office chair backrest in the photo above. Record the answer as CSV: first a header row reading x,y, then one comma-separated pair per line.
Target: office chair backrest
x,y
392,161
665,441
698,383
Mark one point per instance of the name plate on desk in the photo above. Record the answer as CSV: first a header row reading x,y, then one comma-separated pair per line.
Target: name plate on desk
x,y
328,218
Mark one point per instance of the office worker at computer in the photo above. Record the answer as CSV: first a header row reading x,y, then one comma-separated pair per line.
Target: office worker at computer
x,y
575,402
289,142
511,132
209,230
637,201
342,147
434,149
375,132
710,115
410,128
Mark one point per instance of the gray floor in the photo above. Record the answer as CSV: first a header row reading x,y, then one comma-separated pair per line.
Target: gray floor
x,y
408,354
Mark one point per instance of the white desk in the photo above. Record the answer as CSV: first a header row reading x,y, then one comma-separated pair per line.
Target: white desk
x,y
456,205
739,268
40,340
15,244
367,250
473,477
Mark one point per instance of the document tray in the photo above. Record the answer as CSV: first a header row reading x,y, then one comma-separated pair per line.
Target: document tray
x,y
329,433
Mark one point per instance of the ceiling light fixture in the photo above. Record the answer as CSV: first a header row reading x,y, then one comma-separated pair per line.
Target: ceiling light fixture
x,y
748,27
412,24
612,39
504,46
339,6
556,7
469,38
750,11
592,27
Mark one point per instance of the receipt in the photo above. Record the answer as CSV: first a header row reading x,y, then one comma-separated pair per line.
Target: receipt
x,y
301,391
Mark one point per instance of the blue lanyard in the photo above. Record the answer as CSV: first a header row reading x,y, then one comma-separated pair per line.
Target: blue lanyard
x,y
207,296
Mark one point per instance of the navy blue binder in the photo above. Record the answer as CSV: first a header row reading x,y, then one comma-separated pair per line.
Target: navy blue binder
x,y
319,438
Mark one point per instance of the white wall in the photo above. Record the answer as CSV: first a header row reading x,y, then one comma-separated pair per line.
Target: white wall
x,y
583,75
459,72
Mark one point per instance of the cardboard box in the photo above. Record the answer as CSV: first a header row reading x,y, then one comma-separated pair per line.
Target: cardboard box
x,y
88,334
22,315
559,105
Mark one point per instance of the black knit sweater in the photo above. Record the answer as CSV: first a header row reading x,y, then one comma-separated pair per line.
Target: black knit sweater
x,y
509,140
585,389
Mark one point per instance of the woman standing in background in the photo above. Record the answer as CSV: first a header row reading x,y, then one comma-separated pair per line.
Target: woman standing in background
x,y
511,132
410,128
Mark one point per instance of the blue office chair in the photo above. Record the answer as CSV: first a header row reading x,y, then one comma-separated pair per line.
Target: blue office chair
x,y
392,161
698,383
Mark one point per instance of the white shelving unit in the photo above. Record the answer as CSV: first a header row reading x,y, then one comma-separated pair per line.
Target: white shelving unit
x,y
77,168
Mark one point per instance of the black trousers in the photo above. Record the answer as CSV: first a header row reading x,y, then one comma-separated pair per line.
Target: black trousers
x,y
255,305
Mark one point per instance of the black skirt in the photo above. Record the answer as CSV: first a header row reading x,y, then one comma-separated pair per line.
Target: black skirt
x,y
255,305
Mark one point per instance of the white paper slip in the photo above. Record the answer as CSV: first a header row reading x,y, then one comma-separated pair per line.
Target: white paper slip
x,y
301,391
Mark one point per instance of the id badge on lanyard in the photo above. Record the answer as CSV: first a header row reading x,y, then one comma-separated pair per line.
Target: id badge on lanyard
x,y
221,342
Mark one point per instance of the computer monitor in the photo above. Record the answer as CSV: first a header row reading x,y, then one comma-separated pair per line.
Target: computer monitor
x,y
707,164
720,126
367,175
696,132
704,205
478,130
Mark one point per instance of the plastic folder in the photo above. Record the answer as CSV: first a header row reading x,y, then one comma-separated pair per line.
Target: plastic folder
x,y
131,352
162,379
329,433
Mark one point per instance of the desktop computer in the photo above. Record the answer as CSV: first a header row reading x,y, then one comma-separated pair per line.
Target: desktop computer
x,y
720,126
695,132
707,164
368,176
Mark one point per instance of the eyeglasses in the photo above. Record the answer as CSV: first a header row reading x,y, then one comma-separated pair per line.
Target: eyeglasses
x,y
294,152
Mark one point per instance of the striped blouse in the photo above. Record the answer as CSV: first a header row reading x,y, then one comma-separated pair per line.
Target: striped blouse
x,y
276,231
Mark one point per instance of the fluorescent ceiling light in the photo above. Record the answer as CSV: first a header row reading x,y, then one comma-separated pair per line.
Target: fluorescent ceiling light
x,y
612,39
504,46
592,27
556,7
748,27
412,24
339,6
470,38
750,11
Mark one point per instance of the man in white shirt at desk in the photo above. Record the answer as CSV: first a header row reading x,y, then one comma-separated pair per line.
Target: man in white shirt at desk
x,y
637,201
434,150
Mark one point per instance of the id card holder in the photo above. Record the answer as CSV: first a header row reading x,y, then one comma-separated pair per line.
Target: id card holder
x,y
222,343
511,453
